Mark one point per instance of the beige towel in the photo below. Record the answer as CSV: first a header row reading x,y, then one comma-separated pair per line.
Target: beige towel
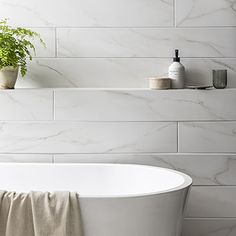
x,y
39,214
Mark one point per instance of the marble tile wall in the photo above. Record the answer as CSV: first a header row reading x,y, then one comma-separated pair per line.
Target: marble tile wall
x,y
118,44
210,227
187,130
87,137
125,42
118,72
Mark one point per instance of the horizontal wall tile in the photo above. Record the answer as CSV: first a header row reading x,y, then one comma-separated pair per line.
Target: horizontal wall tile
x,y
26,158
207,137
48,36
26,105
81,13
93,72
212,202
144,105
204,169
205,13
209,227
118,72
149,42
75,137
199,70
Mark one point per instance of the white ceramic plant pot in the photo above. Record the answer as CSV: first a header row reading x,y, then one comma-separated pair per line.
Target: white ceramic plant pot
x,y
8,77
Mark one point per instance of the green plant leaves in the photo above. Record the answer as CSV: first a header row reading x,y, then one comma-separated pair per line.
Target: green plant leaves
x,y
15,45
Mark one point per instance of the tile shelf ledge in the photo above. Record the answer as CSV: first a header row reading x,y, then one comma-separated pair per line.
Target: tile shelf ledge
x,y
120,89
118,104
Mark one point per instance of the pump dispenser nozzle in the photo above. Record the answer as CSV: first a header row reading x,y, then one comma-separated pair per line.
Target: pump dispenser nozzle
x,y
176,58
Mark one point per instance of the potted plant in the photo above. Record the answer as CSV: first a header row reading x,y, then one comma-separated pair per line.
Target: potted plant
x,y
15,49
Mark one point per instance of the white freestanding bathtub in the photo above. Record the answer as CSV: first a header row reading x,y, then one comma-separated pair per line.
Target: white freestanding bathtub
x,y
115,199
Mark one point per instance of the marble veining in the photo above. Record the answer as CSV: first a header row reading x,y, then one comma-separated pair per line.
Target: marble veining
x,y
155,105
203,202
27,8
26,158
106,72
26,105
118,44
199,71
205,169
60,74
118,72
148,42
89,14
211,137
48,35
206,12
209,227
141,141
74,137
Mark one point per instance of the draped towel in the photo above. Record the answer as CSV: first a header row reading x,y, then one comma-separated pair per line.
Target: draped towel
x,y
39,214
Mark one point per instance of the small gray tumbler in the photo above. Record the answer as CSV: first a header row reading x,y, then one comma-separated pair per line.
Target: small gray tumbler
x,y
219,79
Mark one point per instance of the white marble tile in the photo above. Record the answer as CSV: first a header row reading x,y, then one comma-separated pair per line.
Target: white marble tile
x,y
93,72
76,137
79,13
217,201
146,42
199,70
26,104
207,137
48,35
118,72
26,158
206,12
205,169
144,105
209,227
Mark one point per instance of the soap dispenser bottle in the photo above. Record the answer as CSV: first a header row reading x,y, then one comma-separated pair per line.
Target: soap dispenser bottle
x,y
177,72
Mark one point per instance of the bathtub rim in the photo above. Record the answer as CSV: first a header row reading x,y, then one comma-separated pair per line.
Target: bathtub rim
x,y
186,184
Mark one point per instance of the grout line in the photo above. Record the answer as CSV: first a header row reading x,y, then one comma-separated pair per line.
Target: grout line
x,y
135,27
147,153
114,88
53,102
174,12
178,137
209,218
53,159
125,153
56,54
204,27
213,185
121,153
130,57
116,121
